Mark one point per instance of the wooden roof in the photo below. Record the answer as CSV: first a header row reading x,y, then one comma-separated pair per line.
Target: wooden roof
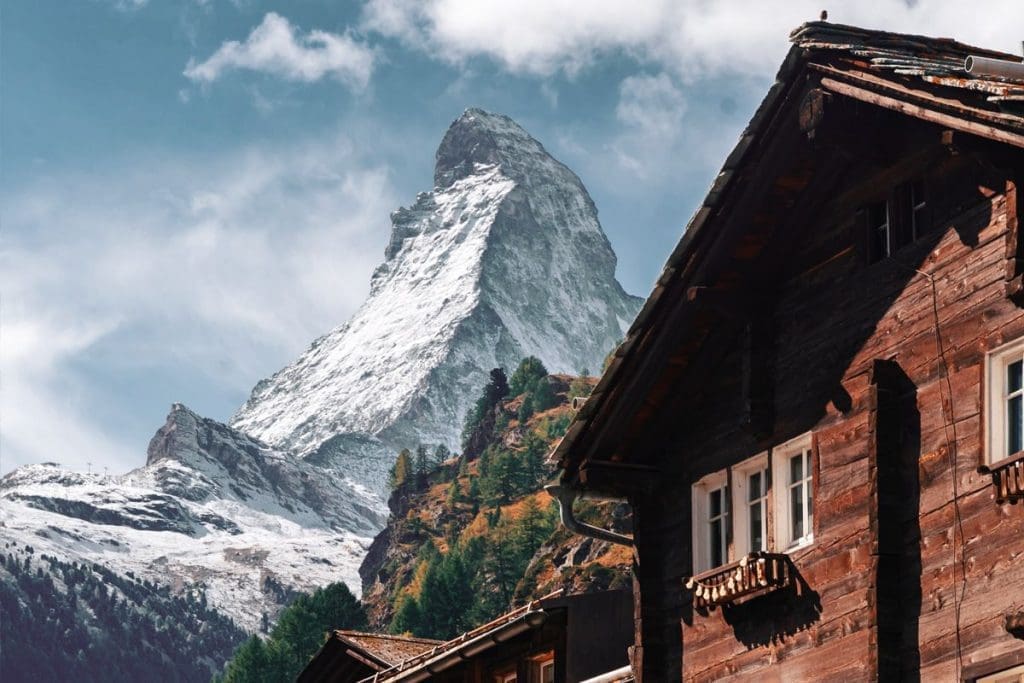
x,y
350,655
389,649
490,630
917,76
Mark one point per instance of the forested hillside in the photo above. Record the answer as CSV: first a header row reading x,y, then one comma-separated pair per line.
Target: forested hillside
x,y
64,621
299,633
472,535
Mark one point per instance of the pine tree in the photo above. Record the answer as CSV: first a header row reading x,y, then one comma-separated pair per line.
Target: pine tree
x,y
504,478
533,459
533,529
525,409
407,617
422,467
530,369
495,390
543,395
250,658
441,455
473,493
505,567
401,472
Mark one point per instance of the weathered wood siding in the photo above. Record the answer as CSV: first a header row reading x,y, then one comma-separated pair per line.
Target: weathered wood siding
x,y
856,361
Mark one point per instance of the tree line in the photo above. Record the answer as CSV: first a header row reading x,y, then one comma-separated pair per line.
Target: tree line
x,y
77,621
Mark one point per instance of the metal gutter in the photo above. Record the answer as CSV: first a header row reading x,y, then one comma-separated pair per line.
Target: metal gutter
x,y
566,496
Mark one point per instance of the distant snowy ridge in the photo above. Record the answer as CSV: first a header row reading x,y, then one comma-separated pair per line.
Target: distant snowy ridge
x,y
504,258
212,508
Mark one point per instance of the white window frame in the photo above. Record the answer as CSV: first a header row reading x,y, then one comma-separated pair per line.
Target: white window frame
x,y
741,504
701,519
781,455
542,665
996,396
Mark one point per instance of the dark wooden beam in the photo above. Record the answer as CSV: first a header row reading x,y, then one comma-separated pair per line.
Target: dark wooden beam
x,y
619,479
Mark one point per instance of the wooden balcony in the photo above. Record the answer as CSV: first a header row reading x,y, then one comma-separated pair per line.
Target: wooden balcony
x,y
1007,478
755,574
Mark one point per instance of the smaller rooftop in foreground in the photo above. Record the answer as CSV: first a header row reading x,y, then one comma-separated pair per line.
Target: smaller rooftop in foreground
x,y
351,655
390,649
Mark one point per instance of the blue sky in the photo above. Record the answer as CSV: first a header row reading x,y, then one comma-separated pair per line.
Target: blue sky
x,y
193,190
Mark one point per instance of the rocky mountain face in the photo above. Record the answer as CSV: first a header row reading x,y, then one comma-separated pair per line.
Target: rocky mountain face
x,y
504,258
212,508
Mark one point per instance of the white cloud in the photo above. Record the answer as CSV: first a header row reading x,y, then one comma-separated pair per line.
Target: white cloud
x,y
129,5
651,103
690,38
274,47
651,110
214,269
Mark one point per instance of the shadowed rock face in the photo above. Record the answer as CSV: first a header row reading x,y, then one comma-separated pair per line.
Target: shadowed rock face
x,y
504,258
200,459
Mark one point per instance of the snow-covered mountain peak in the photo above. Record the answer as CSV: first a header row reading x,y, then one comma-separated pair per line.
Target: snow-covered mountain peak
x,y
479,138
503,258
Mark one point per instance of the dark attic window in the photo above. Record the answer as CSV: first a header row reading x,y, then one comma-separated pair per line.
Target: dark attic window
x,y
892,223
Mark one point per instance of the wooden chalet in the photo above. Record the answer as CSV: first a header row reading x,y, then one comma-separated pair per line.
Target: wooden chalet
x,y
556,639
350,656
818,416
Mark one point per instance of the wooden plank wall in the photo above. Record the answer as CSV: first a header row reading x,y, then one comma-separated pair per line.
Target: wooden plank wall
x,y
834,319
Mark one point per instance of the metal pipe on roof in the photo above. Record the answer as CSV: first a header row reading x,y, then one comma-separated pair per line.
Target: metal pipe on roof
x,y
566,497
1000,68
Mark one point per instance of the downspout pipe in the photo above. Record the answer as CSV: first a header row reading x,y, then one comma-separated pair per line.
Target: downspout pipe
x,y
611,676
566,496
986,66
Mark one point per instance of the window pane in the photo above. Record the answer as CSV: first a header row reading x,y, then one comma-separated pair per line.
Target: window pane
x,y
754,486
810,508
796,468
756,541
715,503
717,549
878,221
1013,376
796,511
1015,426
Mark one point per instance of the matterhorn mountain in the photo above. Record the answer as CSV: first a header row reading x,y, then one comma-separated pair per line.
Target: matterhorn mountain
x,y
504,258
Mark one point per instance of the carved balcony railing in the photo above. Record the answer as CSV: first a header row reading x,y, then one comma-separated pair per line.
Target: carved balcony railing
x,y
750,576
1007,478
